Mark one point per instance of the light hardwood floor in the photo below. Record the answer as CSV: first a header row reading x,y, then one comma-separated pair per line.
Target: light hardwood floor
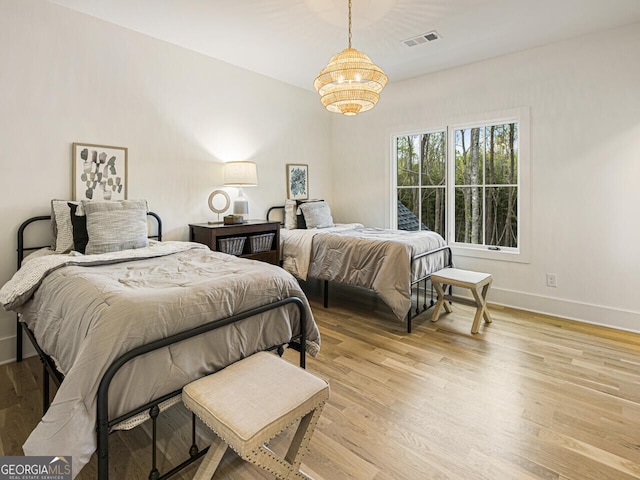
x,y
528,397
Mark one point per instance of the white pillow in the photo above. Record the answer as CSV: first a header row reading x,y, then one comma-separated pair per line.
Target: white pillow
x,y
290,219
317,214
116,225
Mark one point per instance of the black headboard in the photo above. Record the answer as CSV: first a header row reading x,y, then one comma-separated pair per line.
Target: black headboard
x,y
21,234
22,249
272,209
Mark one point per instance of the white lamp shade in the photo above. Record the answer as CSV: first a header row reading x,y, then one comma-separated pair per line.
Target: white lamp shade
x,y
240,174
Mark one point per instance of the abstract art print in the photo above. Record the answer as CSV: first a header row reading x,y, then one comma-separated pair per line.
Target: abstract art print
x,y
297,182
99,172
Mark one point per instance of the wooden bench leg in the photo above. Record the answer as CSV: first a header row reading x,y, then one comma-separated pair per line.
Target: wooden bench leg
x,y
481,303
301,439
211,460
290,467
441,302
485,292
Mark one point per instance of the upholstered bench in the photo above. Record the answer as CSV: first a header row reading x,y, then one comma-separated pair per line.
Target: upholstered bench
x,y
250,402
479,284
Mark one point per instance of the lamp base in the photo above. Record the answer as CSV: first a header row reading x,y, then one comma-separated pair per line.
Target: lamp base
x,y
241,206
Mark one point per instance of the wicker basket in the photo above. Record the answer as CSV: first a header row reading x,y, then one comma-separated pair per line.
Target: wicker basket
x,y
232,245
261,243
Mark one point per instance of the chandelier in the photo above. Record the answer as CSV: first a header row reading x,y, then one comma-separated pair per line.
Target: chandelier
x,y
351,83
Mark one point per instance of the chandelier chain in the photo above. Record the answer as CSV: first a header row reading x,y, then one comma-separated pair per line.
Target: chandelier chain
x,y
349,23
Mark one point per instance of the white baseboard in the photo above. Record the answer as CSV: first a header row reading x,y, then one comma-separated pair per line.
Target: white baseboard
x,y
602,315
8,349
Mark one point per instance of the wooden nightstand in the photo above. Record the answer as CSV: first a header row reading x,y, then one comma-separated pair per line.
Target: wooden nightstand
x,y
211,234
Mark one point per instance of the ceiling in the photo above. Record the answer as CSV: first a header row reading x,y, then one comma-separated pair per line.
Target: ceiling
x,y
292,40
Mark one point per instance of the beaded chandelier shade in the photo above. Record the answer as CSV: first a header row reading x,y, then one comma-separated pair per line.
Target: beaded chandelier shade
x,y
351,83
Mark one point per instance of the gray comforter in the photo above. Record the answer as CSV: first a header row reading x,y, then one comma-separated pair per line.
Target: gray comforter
x,y
377,259
86,316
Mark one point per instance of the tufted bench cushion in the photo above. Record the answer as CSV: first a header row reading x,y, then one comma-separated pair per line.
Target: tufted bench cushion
x,y
252,401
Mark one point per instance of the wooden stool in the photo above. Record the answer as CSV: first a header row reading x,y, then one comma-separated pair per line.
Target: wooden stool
x,y
250,402
474,281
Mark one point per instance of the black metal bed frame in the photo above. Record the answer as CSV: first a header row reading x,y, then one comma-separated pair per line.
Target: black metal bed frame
x,y
413,283
424,279
104,424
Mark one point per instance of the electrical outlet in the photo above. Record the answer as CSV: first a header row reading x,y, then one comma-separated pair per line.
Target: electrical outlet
x,y
552,280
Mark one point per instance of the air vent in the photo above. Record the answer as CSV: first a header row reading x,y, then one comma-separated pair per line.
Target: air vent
x,y
421,39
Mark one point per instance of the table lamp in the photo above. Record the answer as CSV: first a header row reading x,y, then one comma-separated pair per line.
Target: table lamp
x,y
240,174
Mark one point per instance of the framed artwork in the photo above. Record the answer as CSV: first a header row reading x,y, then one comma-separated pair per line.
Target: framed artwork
x,y
297,182
99,172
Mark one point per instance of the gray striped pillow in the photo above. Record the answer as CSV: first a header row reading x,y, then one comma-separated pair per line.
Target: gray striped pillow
x,y
61,228
116,225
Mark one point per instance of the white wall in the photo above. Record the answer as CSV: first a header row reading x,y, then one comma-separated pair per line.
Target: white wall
x,y
66,77
584,99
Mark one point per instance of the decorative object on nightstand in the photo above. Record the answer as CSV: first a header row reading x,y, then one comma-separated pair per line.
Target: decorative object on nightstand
x,y
212,205
260,239
240,174
232,219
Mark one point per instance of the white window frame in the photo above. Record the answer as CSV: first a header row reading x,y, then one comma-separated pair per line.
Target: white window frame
x,y
521,253
394,169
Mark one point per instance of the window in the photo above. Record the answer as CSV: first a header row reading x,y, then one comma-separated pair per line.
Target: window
x,y
486,185
421,188
469,183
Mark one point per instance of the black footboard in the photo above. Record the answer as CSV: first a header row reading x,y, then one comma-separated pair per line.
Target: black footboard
x,y
424,279
413,283
104,424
